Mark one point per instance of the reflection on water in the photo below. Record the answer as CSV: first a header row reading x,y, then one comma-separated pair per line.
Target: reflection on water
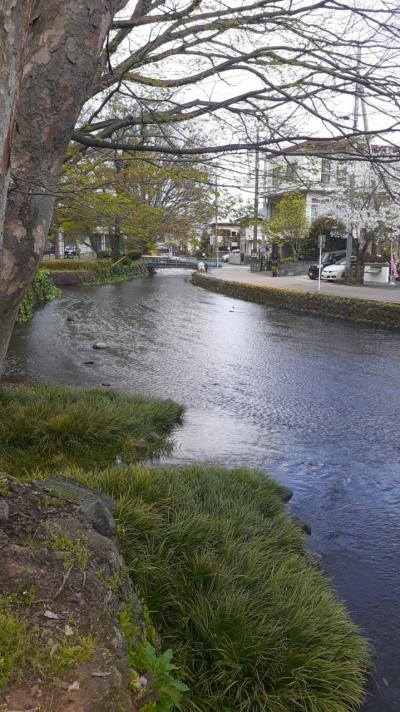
x,y
314,401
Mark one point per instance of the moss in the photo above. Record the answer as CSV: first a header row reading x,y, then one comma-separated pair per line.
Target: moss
x,y
67,654
14,644
78,552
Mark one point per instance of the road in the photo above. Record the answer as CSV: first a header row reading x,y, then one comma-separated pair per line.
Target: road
x,y
237,273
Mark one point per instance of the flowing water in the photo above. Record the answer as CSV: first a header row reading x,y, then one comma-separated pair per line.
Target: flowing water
x,y
314,401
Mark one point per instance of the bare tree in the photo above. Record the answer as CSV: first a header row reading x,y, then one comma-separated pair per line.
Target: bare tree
x,y
70,66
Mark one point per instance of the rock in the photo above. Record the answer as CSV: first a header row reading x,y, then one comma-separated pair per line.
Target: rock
x,y
100,345
313,558
100,517
4,510
69,318
92,597
286,493
302,525
74,491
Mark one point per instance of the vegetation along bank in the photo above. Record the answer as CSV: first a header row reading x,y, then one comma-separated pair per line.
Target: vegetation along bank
x,y
227,591
41,291
378,314
96,272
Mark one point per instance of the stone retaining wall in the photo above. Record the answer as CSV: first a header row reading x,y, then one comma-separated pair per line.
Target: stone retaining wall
x,y
379,314
73,278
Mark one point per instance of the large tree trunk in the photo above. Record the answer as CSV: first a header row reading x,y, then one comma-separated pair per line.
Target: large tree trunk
x,y
62,49
14,16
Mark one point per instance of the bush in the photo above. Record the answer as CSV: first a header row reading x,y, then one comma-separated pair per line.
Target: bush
x,y
46,426
222,570
41,291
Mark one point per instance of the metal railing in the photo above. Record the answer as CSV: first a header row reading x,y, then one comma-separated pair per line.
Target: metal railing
x,y
167,261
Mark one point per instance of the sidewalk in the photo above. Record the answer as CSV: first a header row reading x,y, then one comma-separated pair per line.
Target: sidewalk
x,y
233,273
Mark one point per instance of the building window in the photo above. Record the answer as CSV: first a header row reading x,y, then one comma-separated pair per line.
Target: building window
x,y
326,171
276,176
291,171
341,174
319,206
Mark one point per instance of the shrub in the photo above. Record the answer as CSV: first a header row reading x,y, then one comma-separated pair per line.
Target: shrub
x,y
42,290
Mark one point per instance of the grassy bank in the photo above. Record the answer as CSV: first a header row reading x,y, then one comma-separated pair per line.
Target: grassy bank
x,y
46,427
363,311
41,291
95,272
216,559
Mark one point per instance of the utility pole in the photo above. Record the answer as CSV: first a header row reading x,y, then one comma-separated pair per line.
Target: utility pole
x,y
358,97
256,191
216,218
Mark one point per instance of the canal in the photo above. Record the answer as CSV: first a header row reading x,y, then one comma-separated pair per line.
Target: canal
x,y
315,402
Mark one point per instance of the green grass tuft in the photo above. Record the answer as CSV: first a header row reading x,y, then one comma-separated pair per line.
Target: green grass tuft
x,y
46,426
14,643
221,568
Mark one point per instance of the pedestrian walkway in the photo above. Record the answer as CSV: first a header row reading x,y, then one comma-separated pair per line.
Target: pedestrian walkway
x,y
242,274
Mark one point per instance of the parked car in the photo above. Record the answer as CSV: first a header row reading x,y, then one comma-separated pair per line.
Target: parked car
x,y
70,252
232,252
328,258
333,273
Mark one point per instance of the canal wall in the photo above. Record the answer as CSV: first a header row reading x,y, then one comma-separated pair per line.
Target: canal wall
x,y
364,311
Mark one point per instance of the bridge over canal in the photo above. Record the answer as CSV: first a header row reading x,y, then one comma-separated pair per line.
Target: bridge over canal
x,y
164,261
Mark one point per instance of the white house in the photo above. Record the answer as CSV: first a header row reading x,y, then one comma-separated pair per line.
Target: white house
x,y
318,177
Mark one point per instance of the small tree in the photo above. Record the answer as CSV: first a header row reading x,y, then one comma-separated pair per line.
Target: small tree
x,y
369,207
289,224
331,227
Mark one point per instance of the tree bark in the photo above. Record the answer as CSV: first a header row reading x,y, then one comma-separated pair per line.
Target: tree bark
x,y
14,16
62,49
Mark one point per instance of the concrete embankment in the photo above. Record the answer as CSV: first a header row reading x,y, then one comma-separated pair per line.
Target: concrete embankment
x,y
377,313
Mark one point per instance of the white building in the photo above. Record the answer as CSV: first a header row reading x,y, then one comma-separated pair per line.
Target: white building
x,y
317,177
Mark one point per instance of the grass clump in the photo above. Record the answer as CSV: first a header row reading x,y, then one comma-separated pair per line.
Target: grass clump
x,y
222,570
14,643
65,656
47,426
